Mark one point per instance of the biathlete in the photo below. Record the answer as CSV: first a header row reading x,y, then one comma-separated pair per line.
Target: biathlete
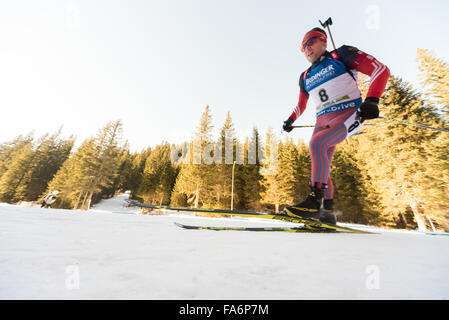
x,y
331,85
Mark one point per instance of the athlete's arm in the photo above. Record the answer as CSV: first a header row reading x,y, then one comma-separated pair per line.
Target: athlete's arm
x,y
302,101
377,71
300,107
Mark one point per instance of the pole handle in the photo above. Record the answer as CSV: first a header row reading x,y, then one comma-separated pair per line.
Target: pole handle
x,y
326,23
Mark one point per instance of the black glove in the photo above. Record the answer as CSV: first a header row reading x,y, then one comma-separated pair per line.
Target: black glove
x,y
288,125
369,108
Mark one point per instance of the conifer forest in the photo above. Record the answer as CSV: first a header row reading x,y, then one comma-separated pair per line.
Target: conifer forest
x,y
392,174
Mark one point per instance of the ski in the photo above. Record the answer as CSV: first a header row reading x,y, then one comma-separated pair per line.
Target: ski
x,y
311,223
255,229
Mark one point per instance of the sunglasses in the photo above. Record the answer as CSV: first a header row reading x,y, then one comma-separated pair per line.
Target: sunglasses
x,y
309,43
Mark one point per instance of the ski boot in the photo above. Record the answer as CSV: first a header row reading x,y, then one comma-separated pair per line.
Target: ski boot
x,y
327,212
309,208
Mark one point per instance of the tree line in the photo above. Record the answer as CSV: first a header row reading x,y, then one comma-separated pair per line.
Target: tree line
x,y
388,175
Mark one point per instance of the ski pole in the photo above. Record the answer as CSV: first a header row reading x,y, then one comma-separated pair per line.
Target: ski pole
x,y
312,126
414,124
309,126
328,126
326,24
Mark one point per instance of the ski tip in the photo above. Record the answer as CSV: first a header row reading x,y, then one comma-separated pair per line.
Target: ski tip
x,y
183,226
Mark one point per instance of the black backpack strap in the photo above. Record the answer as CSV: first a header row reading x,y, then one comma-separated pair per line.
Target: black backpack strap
x,y
335,55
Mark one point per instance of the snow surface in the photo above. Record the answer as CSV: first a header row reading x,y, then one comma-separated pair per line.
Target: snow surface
x,y
112,252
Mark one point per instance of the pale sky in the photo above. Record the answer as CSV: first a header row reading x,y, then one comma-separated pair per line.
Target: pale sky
x,y
156,64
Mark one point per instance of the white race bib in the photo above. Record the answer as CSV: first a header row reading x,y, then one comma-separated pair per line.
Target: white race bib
x,y
353,124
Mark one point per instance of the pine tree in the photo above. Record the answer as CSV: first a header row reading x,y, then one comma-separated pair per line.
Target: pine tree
x,y
48,156
15,173
159,176
124,168
271,195
288,172
304,173
73,177
135,175
193,184
249,177
437,196
354,195
10,150
395,157
28,166
222,183
91,169
434,73
108,160
434,76
121,182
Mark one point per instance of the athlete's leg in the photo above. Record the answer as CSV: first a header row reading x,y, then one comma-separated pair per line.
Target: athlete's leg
x,y
321,145
329,131
328,202
329,192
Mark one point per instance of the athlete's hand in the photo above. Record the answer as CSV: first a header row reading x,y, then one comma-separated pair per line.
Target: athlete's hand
x,y
288,125
369,108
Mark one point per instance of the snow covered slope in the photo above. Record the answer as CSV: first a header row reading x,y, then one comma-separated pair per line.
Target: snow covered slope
x,y
106,254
